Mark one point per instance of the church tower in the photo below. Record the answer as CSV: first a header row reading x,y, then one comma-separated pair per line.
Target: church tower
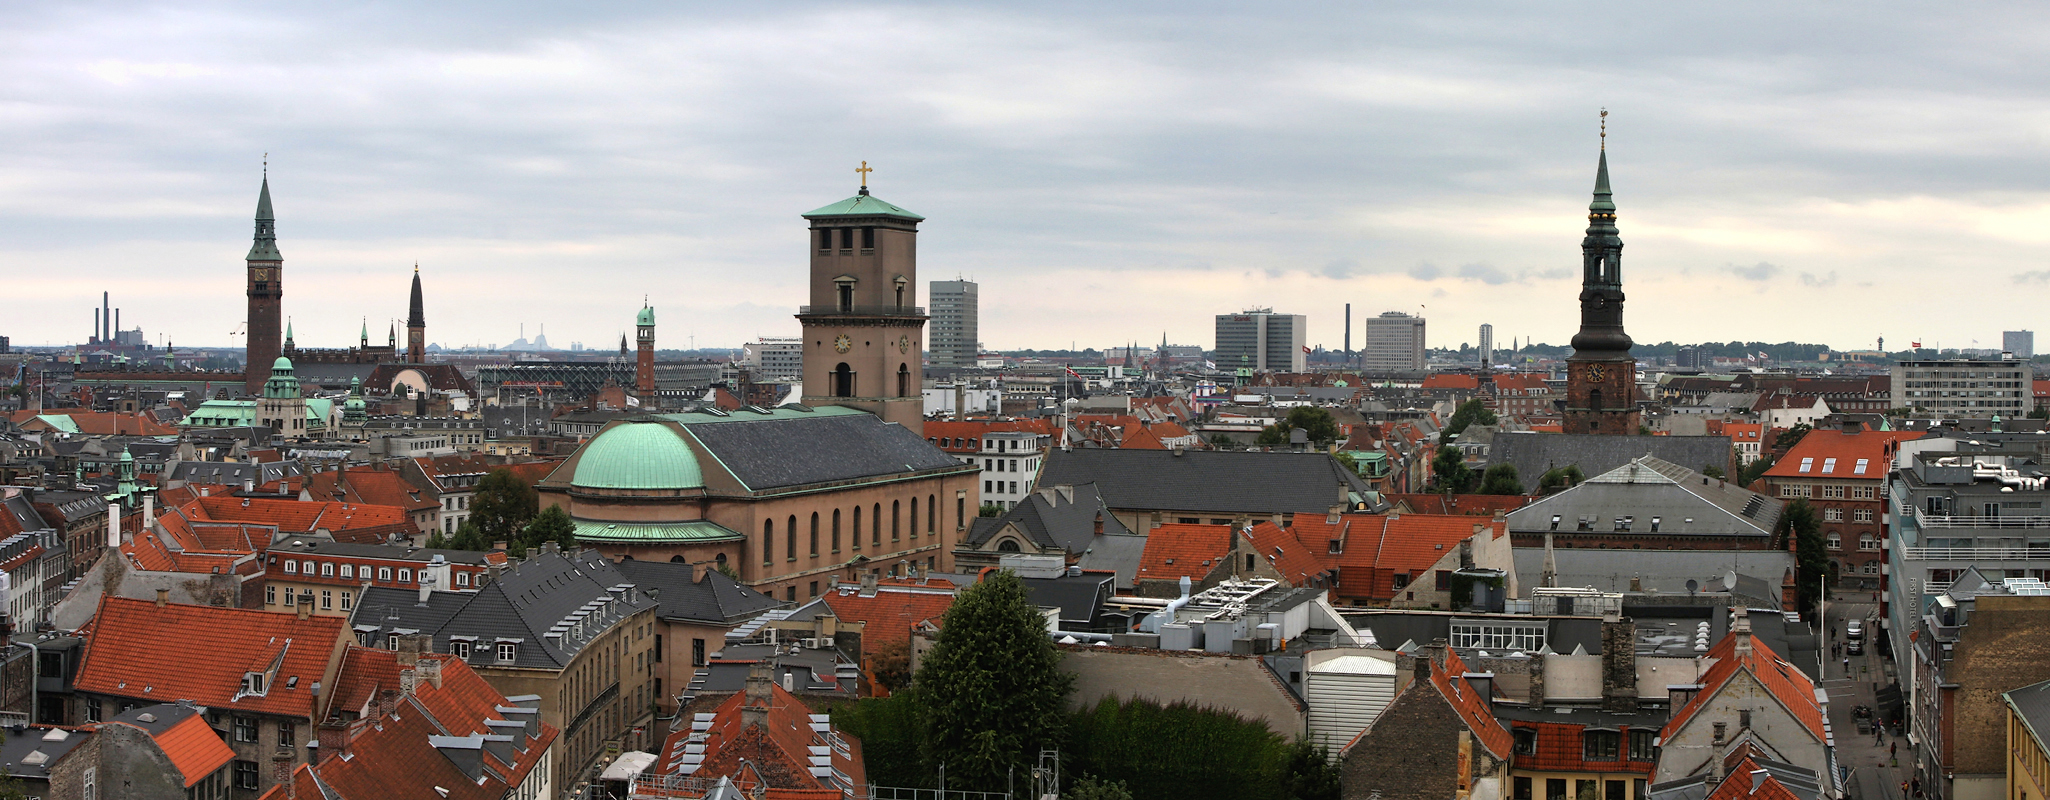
x,y
416,325
266,288
1601,376
863,331
644,361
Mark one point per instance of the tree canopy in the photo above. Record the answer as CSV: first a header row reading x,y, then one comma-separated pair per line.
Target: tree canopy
x,y
501,505
1811,558
1316,422
1500,479
1560,478
992,690
1471,412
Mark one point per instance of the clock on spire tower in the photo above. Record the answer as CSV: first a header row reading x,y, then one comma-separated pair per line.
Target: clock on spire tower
x,y
266,290
1601,376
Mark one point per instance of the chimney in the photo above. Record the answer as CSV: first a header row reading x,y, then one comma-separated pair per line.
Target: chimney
x,y
868,583
1099,523
429,670
149,509
163,597
113,526
305,609
1619,664
754,708
411,646
697,569
1715,757
1741,628
248,485
408,681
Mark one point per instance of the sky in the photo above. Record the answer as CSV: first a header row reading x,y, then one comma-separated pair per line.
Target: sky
x,y
1106,172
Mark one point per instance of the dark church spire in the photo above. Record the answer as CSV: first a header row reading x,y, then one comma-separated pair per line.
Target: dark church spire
x,y
416,324
265,247
1601,284
416,316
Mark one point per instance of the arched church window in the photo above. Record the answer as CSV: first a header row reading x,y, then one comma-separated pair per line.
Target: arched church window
x,y
1007,546
903,376
843,380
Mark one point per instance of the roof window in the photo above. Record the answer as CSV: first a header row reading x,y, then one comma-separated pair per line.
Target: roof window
x,y
1807,464
1859,468
1828,466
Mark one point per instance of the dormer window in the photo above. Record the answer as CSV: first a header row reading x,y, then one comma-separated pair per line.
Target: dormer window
x,y
291,567
506,652
253,683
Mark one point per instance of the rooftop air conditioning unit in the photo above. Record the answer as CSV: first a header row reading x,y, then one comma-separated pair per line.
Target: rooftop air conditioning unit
x,y
811,644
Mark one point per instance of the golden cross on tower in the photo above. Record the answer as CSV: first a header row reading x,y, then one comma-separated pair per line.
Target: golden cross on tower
x,y
864,170
1605,129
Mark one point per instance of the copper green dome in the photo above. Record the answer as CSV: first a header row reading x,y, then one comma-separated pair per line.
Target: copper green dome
x,y
639,454
646,317
282,363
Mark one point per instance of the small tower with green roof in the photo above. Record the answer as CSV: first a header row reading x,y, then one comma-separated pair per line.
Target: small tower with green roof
x,y
644,362
281,408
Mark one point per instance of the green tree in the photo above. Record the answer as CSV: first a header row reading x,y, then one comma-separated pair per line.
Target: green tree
x,y
1713,471
2039,413
1791,436
1471,412
1089,788
1755,470
892,732
1223,442
990,510
436,541
1560,478
552,525
502,505
1500,479
1177,751
991,686
1449,474
1308,773
1316,422
1811,559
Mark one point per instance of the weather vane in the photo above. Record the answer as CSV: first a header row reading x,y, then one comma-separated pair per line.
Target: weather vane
x,y
1605,129
864,171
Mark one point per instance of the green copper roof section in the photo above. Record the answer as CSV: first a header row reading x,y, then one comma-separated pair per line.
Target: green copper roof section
x,y
638,454
288,330
263,202
646,317
692,531
1602,200
61,422
265,248
863,205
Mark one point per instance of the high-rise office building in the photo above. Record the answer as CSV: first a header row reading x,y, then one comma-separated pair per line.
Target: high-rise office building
x,y
1487,345
1395,342
775,359
1262,340
954,342
2021,343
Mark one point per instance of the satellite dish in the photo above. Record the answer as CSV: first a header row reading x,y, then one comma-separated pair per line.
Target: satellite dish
x,y
1692,585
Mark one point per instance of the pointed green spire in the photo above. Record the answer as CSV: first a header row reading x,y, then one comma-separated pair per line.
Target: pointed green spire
x,y
366,331
263,211
1602,196
288,329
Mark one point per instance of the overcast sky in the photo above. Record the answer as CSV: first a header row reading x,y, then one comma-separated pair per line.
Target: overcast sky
x,y
1106,171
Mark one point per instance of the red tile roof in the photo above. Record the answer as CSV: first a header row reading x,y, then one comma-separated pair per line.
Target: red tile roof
x,y
1559,749
1451,381
1379,547
1175,550
194,749
101,423
1876,447
348,522
1473,709
892,613
390,756
1298,562
777,754
381,487
141,651
1782,680
1745,781
1520,384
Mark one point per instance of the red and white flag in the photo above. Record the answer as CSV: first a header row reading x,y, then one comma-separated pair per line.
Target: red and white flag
x,y
1306,349
1071,372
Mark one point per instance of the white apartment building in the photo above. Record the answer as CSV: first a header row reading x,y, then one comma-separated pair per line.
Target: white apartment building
x,y
1010,465
1962,387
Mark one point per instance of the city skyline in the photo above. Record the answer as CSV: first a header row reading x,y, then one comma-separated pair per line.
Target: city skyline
x,y
1391,159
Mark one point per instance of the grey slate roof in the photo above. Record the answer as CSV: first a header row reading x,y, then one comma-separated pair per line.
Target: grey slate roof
x,y
1685,502
23,741
1665,571
1118,553
1080,598
1054,516
523,604
235,472
316,544
1535,453
2031,704
1207,481
776,453
714,598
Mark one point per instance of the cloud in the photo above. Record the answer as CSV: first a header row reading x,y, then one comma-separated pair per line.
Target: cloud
x,y
1341,268
1485,273
1425,272
1809,279
1757,272
2033,276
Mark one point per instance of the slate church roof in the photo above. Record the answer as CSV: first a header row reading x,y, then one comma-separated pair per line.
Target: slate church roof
x,y
1208,481
1533,454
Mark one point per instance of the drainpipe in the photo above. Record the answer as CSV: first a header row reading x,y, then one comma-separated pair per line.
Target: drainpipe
x,y
1166,615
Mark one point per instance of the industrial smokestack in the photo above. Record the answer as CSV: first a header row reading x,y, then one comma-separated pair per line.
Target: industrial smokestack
x,y
1348,329
96,326
117,325
106,317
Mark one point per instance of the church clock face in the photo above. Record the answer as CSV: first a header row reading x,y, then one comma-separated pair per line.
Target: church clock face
x,y
903,344
843,343
1596,373
263,274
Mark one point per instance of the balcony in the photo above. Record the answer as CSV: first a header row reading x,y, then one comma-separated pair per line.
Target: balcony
x,y
1934,521
861,311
